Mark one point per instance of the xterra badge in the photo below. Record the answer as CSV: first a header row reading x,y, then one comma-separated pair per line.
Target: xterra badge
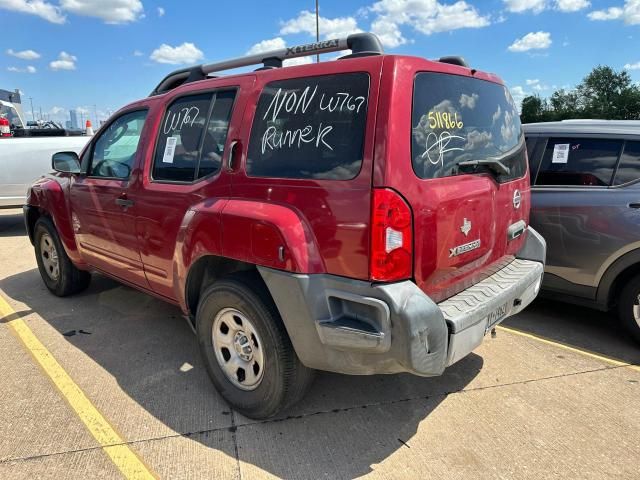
x,y
467,247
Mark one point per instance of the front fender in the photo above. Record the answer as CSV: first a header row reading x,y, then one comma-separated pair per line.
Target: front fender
x,y
49,195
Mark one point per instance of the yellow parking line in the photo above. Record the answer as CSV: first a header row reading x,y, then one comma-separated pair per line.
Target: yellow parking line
x,y
111,442
586,353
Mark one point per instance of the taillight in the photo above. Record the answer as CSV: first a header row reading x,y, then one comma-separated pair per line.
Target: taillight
x,y
5,128
391,237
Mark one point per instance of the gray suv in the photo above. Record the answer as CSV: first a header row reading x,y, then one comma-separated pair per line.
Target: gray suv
x,y
585,178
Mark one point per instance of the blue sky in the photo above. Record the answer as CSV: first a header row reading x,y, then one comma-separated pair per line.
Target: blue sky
x,y
80,53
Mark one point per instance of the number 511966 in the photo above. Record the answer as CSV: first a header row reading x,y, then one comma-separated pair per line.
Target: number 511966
x,y
444,120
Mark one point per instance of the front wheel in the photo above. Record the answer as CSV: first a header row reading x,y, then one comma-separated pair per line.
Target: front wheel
x,y
246,349
629,307
60,276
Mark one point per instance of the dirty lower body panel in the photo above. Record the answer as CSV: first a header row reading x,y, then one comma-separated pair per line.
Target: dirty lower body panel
x,y
356,327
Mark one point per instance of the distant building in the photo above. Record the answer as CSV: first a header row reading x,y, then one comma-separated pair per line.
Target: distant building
x,y
74,119
68,125
13,97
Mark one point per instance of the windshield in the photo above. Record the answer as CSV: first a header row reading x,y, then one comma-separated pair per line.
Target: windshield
x,y
459,119
11,114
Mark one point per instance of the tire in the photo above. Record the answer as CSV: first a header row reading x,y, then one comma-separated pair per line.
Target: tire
x,y
60,276
628,307
280,379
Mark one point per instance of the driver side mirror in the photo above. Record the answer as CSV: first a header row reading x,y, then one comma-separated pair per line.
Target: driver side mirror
x,y
66,162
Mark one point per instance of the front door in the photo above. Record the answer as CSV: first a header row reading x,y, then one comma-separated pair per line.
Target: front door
x,y
102,207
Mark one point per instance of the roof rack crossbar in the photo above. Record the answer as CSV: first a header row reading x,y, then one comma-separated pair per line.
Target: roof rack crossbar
x,y
358,43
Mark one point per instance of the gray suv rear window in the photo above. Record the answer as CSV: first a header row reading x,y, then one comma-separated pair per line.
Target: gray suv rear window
x,y
456,119
310,127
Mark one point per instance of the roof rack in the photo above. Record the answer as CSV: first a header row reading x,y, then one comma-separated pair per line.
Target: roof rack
x,y
360,44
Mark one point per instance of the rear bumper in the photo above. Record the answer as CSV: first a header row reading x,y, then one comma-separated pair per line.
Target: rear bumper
x,y
355,327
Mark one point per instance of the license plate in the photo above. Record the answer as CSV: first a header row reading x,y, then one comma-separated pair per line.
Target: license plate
x,y
497,315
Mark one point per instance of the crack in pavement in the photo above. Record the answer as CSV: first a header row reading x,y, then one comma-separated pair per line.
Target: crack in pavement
x,y
234,427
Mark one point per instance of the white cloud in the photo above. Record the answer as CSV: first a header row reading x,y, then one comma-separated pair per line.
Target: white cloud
x,y
629,13
111,11
612,13
572,5
424,16
531,41
137,53
305,22
185,53
161,12
520,6
39,8
632,66
57,110
518,93
27,69
537,6
388,32
276,44
536,85
24,54
532,82
65,61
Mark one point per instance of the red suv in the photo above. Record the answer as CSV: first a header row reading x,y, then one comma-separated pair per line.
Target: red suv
x,y
366,215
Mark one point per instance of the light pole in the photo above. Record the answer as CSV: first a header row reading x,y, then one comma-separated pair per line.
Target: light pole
x,y
33,116
317,29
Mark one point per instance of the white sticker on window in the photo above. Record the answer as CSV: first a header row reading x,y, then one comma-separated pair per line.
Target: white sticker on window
x,y
169,150
560,153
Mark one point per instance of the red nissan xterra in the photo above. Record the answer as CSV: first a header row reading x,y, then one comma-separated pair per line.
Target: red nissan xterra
x,y
365,215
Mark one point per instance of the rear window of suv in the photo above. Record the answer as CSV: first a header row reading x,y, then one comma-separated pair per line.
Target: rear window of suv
x,y
457,119
310,128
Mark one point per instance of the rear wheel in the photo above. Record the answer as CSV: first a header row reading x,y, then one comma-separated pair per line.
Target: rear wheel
x,y
246,349
629,307
60,276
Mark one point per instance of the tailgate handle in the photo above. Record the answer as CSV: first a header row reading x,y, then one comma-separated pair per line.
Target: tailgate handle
x,y
516,230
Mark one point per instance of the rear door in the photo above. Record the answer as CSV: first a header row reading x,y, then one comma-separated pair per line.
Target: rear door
x,y
194,132
468,219
582,203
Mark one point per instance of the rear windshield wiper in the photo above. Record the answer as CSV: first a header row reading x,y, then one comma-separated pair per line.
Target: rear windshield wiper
x,y
492,164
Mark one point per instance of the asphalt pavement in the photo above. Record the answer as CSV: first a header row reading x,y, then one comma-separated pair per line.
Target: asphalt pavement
x,y
109,384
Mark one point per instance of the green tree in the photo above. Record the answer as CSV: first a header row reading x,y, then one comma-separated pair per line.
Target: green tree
x,y
603,93
532,109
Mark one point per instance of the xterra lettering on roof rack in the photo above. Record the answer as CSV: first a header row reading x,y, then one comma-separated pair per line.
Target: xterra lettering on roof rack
x,y
312,47
360,44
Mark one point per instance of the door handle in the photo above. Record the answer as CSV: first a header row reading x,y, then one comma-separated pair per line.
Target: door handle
x,y
232,148
124,202
634,205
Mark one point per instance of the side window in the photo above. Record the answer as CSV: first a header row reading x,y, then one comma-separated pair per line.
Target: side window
x,y
192,137
311,127
629,168
114,152
216,136
579,161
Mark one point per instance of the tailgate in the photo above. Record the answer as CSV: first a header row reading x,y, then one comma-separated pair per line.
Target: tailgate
x,y
468,188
